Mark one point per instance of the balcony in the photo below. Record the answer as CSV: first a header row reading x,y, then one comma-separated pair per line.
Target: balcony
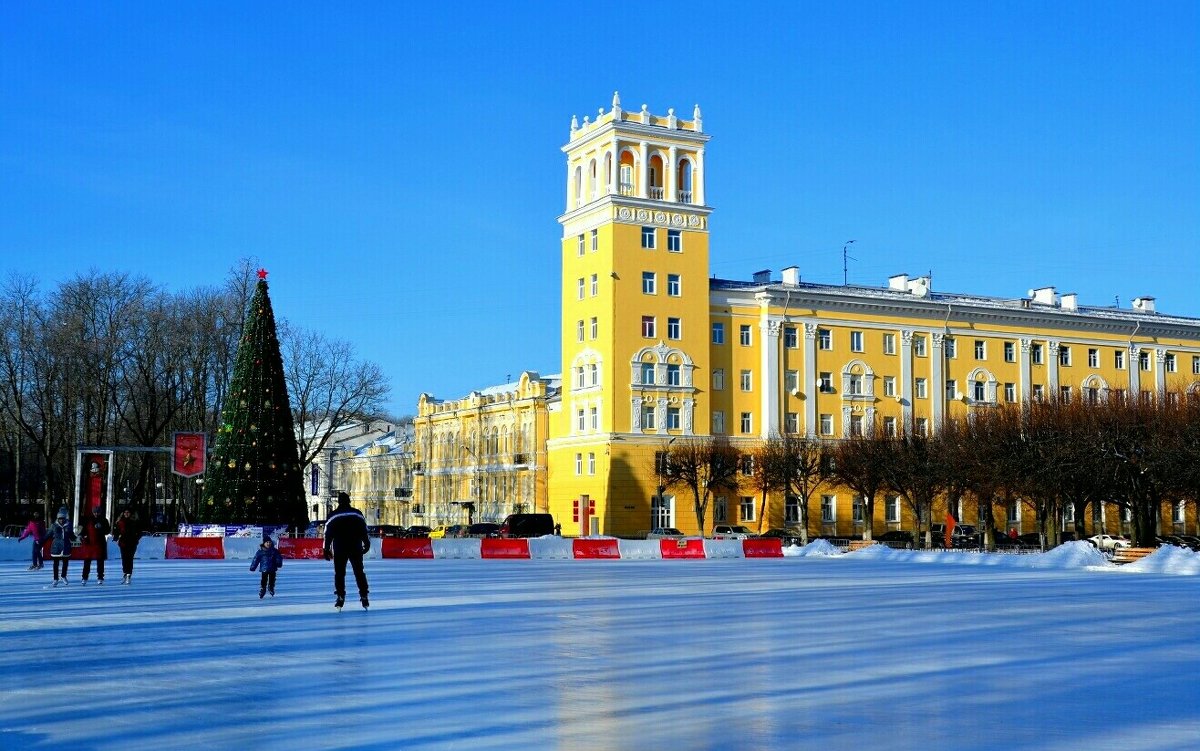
x,y
685,196
656,192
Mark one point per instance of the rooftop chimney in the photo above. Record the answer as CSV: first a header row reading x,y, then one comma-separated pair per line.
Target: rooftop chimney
x,y
898,282
1070,301
762,277
1043,295
1144,304
919,286
791,276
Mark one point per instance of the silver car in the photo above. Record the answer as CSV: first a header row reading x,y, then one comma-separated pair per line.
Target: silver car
x,y
664,533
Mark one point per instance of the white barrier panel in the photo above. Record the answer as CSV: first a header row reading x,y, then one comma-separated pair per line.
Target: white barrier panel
x,y
551,547
456,548
640,550
723,549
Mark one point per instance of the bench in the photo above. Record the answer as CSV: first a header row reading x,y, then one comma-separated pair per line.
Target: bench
x,y
860,544
1129,555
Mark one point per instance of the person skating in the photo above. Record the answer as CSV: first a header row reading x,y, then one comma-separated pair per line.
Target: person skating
x,y
267,560
126,533
62,537
37,531
95,540
346,539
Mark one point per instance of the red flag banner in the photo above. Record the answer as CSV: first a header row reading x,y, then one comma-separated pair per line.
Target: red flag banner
x,y
950,524
190,454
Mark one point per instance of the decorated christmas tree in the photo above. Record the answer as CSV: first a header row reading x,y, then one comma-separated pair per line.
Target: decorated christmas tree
x,y
254,473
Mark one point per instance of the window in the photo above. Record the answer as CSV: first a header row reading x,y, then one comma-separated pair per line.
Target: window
x,y
1144,360
595,240
581,245
581,288
747,381
1091,394
1035,353
1093,357
1010,352
791,380
856,509
718,333
591,463
1118,396
648,417
791,422
920,388
744,335
824,339
1178,512
921,426
674,241
1038,392
718,422
856,341
889,427
594,372
1010,392
1119,359
579,464
1011,515
1065,393
720,509
826,424
1169,362
648,327
1069,513
580,421
856,424
950,347
649,283
595,415
746,464
889,385
595,285
674,288
674,328
891,509
648,238
579,331
889,344
790,340
672,418
647,373
1195,364
595,327
828,509
951,390
854,385
825,383
746,508
791,510
747,422
579,377
718,379
1064,355
673,376
918,345
980,349
978,391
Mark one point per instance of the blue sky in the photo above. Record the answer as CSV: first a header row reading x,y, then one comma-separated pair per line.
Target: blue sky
x,y
397,169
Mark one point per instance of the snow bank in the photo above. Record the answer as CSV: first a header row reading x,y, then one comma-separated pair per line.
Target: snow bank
x,y
1169,559
1071,555
814,548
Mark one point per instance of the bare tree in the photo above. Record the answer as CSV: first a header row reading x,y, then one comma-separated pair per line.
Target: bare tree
x,y
860,462
703,464
794,465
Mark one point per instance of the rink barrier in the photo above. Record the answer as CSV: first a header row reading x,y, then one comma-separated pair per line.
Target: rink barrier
x,y
762,547
500,547
305,548
593,548
407,547
195,548
684,547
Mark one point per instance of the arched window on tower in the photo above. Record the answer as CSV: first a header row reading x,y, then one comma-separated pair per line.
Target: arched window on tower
x,y
592,195
608,173
684,180
626,185
656,178
578,187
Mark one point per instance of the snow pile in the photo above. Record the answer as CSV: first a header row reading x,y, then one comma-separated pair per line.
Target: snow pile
x,y
814,548
1075,554
1168,559
1071,555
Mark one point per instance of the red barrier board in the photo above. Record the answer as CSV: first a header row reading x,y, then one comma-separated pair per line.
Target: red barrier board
x,y
595,549
192,548
310,548
687,547
762,547
501,547
407,547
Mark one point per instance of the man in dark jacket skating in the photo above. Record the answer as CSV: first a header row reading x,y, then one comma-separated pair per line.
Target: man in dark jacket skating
x,y
346,539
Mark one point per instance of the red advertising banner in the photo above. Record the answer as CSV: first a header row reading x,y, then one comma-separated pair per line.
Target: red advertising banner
x,y
192,548
311,548
407,547
595,548
684,547
189,454
496,547
762,547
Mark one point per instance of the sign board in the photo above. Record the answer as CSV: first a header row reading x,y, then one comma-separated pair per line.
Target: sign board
x,y
189,454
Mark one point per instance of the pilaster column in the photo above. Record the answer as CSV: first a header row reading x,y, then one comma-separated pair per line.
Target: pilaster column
x,y
669,178
1160,371
770,328
1135,371
937,368
1025,370
643,190
810,376
906,379
1052,365
698,179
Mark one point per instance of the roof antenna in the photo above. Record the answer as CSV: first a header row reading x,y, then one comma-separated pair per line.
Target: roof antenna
x,y
845,268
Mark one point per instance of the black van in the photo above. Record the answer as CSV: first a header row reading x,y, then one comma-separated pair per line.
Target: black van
x,y
527,525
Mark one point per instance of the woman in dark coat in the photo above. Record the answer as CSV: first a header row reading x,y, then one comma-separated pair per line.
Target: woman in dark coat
x,y
62,540
126,534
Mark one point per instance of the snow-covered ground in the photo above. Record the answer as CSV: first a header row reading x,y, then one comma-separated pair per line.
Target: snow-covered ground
x,y
877,649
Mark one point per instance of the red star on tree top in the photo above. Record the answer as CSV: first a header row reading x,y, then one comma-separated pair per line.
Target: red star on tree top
x,y
262,273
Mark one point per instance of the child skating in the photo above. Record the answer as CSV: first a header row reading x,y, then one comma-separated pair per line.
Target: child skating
x,y
268,561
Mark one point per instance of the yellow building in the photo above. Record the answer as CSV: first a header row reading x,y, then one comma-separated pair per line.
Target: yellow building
x,y
653,350
480,458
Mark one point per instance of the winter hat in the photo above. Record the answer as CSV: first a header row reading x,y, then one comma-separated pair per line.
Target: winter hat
x,y
267,540
343,499
62,513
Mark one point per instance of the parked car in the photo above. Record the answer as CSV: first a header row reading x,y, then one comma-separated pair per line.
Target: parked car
x,y
483,529
385,530
457,530
417,530
438,532
786,536
896,538
731,532
664,533
527,525
1110,542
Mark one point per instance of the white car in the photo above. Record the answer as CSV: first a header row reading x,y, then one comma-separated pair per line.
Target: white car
x,y
1109,542
664,533
731,532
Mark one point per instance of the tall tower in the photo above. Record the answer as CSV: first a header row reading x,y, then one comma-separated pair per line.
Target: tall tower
x,y
635,307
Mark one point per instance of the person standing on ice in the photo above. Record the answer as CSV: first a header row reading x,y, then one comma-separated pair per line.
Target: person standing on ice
x,y
62,537
95,538
346,539
126,533
37,531
268,561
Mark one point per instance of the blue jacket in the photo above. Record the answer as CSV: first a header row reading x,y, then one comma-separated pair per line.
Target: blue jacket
x,y
268,559
346,532
63,536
